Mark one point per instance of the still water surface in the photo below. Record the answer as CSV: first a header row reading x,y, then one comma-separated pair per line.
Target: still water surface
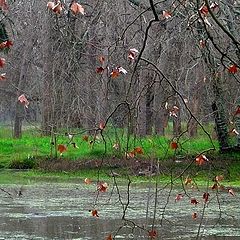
x,y
61,211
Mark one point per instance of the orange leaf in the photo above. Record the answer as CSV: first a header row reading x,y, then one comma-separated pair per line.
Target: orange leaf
x,y
233,69
231,192
95,213
188,181
194,215
102,186
219,178
115,73
174,145
77,8
85,138
87,181
138,150
152,234
61,148
200,160
109,237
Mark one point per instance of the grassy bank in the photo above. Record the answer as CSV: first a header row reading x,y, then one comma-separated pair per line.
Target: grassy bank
x,y
83,158
34,146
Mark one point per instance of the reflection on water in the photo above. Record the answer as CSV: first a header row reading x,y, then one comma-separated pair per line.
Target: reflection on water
x,y
58,211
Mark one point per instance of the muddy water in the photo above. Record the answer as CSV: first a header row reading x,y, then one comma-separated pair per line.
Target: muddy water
x,y
61,211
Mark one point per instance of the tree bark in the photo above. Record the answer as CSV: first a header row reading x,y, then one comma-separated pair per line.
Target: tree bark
x,y
220,114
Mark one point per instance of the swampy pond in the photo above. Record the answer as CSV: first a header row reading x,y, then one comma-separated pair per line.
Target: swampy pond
x,y
61,211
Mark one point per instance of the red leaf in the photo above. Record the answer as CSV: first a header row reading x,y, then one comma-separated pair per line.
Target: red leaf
x,y
214,186
166,14
237,111
202,43
61,148
152,234
132,54
101,125
99,69
206,196
55,7
6,44
174,145
77,8
173,112
2,76
3,5
178,197
194,201
9,44
109,237
2,62
102,186
95,213
203,10
200,160
232,69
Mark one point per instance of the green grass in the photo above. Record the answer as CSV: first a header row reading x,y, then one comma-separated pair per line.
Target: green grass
x,y
33,145
25,152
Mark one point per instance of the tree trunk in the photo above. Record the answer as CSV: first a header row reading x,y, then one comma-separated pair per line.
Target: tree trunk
x,y
192,125
19,108
220,114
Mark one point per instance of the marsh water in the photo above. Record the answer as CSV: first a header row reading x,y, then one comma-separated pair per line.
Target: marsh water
x,y
63,211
